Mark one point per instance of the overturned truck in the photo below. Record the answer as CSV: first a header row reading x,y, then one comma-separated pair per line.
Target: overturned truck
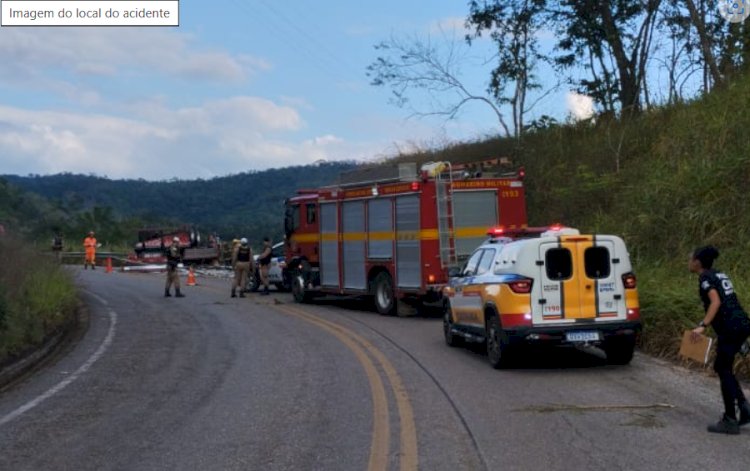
x,y
153,242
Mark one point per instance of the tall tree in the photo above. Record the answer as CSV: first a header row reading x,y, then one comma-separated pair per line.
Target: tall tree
x,y
707,39
514,27
612,39
675,50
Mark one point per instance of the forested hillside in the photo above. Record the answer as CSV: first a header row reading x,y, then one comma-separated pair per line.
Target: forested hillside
x,y
246,204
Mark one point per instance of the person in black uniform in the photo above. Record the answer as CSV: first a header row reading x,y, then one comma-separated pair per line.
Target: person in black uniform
x,y
732,326
57,245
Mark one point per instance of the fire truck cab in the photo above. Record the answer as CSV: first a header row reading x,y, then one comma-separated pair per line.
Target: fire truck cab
x,y
393,233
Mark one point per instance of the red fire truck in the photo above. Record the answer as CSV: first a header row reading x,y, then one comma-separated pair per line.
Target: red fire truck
x,y
393,233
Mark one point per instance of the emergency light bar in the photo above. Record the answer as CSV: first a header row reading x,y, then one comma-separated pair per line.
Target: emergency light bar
x,y
496,231
556,230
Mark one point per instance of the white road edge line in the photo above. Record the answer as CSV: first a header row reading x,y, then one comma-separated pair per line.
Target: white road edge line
x,y
76,374
97,297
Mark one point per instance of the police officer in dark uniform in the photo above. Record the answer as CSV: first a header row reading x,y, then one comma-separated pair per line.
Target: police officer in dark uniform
x,y
732,326
242,261
57,245
173,259
264,260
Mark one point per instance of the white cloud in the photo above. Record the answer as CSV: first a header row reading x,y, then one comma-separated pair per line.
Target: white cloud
x,y
30,52
216,138
581,107
297,102
154,141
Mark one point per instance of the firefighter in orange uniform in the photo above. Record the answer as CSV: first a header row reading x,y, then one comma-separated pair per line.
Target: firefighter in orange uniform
x,y
89,245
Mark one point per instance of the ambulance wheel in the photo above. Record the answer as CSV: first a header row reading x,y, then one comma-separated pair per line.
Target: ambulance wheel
x,y
385,301
619,350
497,348
451,339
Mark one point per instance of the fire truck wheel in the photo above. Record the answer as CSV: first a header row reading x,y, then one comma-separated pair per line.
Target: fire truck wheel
x,y
451,339
297,279
497,352
385,301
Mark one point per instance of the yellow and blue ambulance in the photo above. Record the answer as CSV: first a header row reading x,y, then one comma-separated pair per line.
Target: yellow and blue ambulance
x,y
561,288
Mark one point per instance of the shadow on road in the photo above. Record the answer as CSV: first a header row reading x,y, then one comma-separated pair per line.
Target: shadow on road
x,y
546,358
357,303
525,358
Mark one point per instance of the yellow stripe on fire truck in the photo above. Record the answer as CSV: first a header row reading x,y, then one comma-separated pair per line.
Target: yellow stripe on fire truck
x,y
425,234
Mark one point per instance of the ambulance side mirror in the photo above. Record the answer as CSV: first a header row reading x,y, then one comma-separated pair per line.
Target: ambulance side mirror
x,y
454,272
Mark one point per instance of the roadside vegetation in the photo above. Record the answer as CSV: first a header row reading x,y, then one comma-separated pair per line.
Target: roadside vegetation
x,y
667,181
37,298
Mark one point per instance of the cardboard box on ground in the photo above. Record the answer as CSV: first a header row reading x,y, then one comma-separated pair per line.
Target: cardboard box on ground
x,y
697,349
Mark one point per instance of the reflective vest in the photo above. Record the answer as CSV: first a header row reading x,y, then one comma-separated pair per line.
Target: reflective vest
x,y
243,254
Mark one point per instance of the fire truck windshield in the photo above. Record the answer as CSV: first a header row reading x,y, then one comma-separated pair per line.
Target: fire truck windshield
x,y
291,219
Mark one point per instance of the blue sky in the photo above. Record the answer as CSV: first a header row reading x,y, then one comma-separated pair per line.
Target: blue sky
x,y
240,85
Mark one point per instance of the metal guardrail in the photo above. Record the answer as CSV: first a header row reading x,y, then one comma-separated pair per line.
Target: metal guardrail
x,y
98,254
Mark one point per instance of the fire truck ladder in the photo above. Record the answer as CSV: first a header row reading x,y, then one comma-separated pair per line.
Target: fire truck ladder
x,y
443,193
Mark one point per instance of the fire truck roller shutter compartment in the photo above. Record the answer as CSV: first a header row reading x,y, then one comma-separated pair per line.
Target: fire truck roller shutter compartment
x,y
380,229
353,215
329,245
473,213
408,242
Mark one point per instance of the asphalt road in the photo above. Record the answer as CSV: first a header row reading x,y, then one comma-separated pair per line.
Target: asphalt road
x,y
213,383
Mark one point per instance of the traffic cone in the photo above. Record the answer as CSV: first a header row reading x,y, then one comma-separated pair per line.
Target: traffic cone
x,y
191,277
108,268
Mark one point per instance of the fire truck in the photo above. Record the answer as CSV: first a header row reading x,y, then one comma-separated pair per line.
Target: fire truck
x,y
394,233
153,242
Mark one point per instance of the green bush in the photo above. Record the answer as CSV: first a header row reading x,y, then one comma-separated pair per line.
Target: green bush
x,y
36,297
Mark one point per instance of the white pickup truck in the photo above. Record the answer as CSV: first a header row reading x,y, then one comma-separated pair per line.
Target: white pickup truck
x,y
275,271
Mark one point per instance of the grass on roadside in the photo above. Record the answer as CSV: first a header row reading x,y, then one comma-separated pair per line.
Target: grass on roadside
x,y
37,297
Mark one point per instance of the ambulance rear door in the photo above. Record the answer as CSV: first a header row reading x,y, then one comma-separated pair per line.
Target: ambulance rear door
x,y
577,281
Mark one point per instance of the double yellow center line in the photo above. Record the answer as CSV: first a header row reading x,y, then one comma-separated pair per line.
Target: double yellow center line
x,y
365,352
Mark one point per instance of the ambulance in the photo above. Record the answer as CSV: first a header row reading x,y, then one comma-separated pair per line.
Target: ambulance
x,y
560,288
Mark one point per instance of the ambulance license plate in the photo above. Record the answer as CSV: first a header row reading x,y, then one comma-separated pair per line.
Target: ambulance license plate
x,y
582,336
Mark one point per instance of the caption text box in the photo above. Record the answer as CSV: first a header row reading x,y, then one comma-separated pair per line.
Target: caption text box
x,y
89,13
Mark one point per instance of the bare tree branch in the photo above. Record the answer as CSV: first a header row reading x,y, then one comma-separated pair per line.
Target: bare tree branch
x,y
417,66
